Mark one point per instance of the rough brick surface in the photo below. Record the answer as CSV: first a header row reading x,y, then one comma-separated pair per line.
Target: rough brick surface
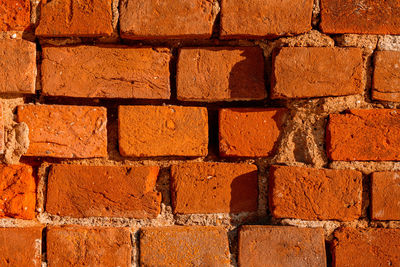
x,y
214,187
103,191
221,74
184,246
21,247
106,72
301,72
61,18
386,79
81,246
146,131
385,196
250,132
370,16
315,194
1,129
160,19
17,192
65,131
17,66
264,18
270,246
364,135
369,247
15,15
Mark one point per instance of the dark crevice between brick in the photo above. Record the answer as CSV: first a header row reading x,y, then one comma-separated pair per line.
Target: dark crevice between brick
x,y
173,68
328,252
217,24
44,245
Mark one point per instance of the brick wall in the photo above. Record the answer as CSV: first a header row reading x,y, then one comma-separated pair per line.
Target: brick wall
x,y
199,133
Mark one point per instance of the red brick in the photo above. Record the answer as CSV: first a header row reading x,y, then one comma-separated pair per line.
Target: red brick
x,y
301,72
161,19
366,247
264,18
385,196
1,129
281,246
61,18
147,131
369,16
17,66
17,192
221,74
214,187
15,15
21,247
106,72
372,134
250,132
103,191
88,246
386,80
65,131
184,246
315,194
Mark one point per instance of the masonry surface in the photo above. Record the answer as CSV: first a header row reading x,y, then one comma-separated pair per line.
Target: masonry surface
x,y
200,133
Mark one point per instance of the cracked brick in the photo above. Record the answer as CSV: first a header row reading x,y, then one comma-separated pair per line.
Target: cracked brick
x,y
386,79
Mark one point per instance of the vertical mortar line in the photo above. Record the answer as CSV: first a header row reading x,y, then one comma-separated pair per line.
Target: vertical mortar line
x,y
43,173
44,247
369,72
216,28
213,133
233,245
328,253
135,258
316,15
173,68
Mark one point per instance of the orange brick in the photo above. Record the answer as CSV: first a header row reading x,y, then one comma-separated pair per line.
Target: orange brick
x,y
161,19
250,132
270,246
1,129
221,74
214,187
366,247
17,192
103,191
385,196
65,131
15,15
17,66
146,131
386,80
184,246
88,246
372,134
21,246
106,72
301,72
315,194
348,16
60,18
264,18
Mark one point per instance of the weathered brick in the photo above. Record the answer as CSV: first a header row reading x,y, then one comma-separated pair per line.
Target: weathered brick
x,y
17,192
60,18
264,18
17,66
146,131
15,15
301,72
214,187
366,247
106,72
65,131
386,80
250,132
2,136
281,246
369,16
21,247
184,246
385,196
315,194
372,134
88,246
221,74
161,19
103,191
